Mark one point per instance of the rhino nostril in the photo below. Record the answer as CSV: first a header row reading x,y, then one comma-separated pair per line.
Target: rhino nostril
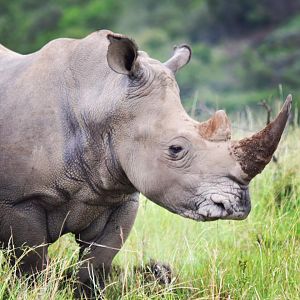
x,y
219,200
220,205
224,207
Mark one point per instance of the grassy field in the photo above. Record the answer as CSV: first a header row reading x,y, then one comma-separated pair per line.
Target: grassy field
x,y
258,258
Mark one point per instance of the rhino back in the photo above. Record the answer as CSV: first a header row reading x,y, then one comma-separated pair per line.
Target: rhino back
x,y
30,119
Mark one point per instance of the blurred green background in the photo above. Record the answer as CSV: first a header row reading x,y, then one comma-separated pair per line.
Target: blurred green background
x,y
243,50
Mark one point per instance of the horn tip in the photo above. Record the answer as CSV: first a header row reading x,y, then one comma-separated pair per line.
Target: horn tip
x,y
288,103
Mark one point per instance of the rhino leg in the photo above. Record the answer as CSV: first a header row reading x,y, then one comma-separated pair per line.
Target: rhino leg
x,y
22,225
112,237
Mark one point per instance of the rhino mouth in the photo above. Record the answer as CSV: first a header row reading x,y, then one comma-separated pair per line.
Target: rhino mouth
x,y
216,206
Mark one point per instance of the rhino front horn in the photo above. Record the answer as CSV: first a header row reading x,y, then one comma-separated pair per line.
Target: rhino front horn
x,y
255,152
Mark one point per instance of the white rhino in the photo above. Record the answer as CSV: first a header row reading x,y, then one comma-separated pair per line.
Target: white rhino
x,y
88,124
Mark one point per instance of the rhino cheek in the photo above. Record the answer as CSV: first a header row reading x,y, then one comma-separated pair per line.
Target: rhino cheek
x,y
143,175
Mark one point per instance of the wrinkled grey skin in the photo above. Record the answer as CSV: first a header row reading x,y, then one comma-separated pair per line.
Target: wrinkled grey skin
x,y
85,125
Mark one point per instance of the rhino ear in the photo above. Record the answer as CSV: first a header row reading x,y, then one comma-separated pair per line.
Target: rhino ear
x,y
121,55
181,56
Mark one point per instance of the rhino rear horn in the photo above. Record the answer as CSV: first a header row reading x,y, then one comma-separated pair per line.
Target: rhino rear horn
x,y
255,152
121,55
181,56
217,128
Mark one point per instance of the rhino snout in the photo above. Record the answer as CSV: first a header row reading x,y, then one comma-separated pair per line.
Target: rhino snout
x,y
231,205
235,207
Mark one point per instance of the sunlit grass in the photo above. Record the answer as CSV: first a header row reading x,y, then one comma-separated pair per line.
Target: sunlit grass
x,y
258,258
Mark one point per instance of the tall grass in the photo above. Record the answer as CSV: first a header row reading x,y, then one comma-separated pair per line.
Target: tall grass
x,y
258,258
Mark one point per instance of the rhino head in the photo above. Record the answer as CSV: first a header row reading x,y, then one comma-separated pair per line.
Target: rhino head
x,y
192,169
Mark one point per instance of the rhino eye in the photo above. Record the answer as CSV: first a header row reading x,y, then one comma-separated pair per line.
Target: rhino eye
x,y
175,149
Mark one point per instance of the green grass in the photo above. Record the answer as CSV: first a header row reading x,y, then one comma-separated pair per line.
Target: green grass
x,y
258,258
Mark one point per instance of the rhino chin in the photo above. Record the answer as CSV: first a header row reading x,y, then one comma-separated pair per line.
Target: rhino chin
x,y
221,215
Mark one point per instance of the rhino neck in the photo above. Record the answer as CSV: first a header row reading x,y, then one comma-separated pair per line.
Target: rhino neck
x,y
112,174
89,152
